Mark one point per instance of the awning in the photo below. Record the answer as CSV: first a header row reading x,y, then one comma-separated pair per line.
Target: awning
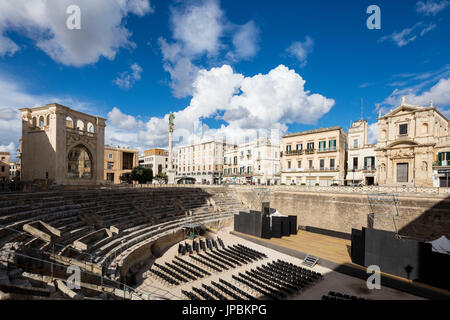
x,y
441,245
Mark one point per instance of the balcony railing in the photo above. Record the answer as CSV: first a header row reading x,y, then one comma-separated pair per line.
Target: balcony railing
x,y
328,169
364,168
313,169
81,132
293,152
443,163
327,149
309,151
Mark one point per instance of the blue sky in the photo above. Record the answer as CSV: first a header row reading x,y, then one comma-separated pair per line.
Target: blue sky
x,y
227,68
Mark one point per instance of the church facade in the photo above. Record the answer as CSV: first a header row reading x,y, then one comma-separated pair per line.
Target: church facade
x,y
410,141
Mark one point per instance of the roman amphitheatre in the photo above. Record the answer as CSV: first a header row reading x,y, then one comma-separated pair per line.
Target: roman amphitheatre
x,y
167,242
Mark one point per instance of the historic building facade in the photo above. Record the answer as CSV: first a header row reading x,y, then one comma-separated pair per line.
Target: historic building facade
x,y
4,166
256,162
14,170
157,160
411,140
361,165
119,161
202,162
315,157
62,145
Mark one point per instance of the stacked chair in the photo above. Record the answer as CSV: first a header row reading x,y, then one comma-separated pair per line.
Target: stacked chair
x,y
336,296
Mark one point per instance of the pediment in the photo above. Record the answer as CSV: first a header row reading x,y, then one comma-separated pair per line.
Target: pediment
x,y
402,144
404,109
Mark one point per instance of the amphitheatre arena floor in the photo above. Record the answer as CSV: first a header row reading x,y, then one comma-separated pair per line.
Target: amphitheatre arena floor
x,y
332,280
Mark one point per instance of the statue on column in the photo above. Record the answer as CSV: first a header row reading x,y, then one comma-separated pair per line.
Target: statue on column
x,y
171,118
171,170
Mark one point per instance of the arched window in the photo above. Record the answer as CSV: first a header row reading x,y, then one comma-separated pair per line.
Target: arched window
x,y
425,128
33,122
69,122
48,120
41,121
383,135
80,125
79,163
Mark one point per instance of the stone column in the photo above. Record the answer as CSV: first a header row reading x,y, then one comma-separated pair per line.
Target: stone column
x,y
171,170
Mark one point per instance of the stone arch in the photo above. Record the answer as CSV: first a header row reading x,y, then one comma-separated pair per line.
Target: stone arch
x,y
69,122
41,121
34,122
383,134
424,128
48,120
80,163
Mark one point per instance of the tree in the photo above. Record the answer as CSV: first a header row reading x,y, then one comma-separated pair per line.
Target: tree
x,y
162,177
126,177
142,175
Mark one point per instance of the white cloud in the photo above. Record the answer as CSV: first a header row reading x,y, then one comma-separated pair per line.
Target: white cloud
x,y
245,42
373,133
408,35
11,148
120,120
301,50
198,31
431,8
248,105
126,80
439,93
198,27
102,32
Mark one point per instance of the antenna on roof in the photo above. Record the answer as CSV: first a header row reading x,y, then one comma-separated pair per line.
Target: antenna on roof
x,y
362,108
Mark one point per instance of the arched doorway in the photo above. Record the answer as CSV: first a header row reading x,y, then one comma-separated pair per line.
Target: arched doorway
x,y
79,163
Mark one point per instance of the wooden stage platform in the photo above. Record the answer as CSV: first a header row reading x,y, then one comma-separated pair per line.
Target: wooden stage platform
x,y
325,247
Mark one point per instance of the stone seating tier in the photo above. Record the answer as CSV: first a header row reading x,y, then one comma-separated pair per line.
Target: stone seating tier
x,y
133,215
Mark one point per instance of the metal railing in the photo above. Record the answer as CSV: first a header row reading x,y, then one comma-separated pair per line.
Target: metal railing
x,y
327,149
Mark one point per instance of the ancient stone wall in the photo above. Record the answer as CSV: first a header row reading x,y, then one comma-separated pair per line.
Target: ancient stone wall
x,y
420,216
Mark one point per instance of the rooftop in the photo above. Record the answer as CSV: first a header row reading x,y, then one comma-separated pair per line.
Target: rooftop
x,y
312,131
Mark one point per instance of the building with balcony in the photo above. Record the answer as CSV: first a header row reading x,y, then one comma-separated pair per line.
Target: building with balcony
x,y
413,145
156,159
4,166
256,162
62,145
14,170
315,157
119,161
202,161
231,165
361,166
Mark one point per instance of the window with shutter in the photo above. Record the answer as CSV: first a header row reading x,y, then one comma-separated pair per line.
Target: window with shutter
x,y
403,129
